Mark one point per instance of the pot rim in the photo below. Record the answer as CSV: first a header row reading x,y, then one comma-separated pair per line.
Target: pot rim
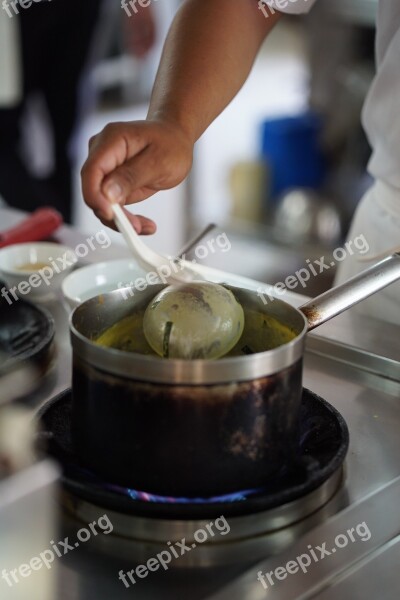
x,y
139,367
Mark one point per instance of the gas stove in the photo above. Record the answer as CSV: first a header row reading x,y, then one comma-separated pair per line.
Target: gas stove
x,y
265,520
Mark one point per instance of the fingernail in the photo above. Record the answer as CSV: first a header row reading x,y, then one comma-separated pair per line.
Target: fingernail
x,y
114,192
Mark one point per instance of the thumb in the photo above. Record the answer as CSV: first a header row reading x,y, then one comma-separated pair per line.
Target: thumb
x,y
114,191
129,182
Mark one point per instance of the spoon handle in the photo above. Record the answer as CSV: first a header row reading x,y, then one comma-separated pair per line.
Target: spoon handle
x,y
145,256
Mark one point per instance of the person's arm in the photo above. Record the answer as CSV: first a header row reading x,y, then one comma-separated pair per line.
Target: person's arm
x,y
207,57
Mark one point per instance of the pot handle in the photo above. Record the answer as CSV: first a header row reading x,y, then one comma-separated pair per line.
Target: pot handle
x,y
335,301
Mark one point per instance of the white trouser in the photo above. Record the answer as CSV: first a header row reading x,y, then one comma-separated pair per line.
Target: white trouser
x,y
377,218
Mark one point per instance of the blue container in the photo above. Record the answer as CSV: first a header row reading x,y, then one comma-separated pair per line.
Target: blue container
x,y
291,147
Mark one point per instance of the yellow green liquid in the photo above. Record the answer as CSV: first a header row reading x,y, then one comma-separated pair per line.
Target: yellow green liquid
x,y
261,333
127,335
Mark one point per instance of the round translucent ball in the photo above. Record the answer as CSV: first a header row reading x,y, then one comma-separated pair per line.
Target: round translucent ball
x,y
200,320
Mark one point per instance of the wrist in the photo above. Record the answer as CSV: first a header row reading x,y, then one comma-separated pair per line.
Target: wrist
x,y
182,126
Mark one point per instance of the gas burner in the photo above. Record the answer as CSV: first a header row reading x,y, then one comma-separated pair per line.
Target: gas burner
x,y
324,443
262,522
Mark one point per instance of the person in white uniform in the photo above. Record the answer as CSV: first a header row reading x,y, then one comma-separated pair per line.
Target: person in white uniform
x,y
208,55
378,214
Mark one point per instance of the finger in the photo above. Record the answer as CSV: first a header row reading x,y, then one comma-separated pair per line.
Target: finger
x,y
108,150
135,180
142,225
145,225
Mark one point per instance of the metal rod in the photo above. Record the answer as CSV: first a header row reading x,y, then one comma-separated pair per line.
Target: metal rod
x,y
192,243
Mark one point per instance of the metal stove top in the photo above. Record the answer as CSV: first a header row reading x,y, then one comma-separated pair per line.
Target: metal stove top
x,y
370,405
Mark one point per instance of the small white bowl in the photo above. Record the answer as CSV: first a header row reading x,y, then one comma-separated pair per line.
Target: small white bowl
x,y
100,278
36,270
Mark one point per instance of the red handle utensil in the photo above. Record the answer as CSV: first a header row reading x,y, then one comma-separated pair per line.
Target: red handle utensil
x,y
38,226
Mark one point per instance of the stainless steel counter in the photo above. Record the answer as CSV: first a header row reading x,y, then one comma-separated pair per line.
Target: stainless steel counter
x,y
371,407
370,404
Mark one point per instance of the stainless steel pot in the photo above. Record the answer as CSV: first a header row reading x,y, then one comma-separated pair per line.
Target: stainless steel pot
x,y
196,427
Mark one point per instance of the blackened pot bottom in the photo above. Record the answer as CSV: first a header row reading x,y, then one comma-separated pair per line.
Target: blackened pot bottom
x,y
185,440
324,441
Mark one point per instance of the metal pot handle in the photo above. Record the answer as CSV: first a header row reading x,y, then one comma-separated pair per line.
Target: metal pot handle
x,y
333,302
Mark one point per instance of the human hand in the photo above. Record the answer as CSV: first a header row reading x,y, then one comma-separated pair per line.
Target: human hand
x,y
129,162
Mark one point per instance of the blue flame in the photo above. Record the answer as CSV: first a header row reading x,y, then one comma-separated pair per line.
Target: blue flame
x,y
140,496
145,497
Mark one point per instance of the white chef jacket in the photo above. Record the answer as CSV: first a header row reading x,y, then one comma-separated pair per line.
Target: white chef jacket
x,y
381,114
378,215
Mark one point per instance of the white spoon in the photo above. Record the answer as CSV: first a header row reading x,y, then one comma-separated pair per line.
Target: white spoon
x,y
150,260
145,256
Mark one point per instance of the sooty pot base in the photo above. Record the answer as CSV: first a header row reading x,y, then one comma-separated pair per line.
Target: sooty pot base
x,y
182,440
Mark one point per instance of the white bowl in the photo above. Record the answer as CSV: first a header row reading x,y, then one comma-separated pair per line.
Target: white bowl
x,y
48,264
100,278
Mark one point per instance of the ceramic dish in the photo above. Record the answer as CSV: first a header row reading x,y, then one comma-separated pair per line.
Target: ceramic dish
x,y
36,270
90,281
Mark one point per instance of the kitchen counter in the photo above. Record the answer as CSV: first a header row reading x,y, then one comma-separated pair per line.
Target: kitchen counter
x,y
369,400
371,407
